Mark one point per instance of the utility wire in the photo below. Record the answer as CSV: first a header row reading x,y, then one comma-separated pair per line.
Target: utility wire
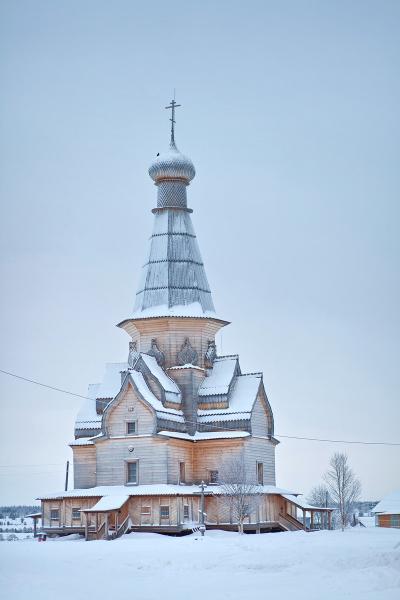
x,y
215,427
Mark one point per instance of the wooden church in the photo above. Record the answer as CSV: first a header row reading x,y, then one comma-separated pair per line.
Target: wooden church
x,y
171,416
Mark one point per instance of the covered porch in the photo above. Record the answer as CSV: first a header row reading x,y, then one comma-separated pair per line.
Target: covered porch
x,y
107,519
301,515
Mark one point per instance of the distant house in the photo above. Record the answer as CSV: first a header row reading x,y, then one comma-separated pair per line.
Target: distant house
x,y
387,511
366,521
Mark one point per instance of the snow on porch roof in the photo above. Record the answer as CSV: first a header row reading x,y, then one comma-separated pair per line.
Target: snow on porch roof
x,y
108,503
303,504
162,489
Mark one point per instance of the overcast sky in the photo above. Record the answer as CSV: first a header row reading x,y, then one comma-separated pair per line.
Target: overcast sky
x,y
291,116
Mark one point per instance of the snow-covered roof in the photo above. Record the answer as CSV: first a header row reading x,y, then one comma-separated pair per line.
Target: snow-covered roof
x,y
161,489
205,435
82,442
367,521
241,401
192,310
146,393
113,502
172,391
389,505
220,377
87,417
187,366
111,383
301,502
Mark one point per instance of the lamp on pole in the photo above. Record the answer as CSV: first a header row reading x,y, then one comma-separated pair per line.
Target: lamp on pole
x,y
202,513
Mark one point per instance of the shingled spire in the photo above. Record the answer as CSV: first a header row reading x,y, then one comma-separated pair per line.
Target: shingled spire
x,y
173,279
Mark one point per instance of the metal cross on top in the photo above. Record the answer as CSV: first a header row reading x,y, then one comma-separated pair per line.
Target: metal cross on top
x,y
172,106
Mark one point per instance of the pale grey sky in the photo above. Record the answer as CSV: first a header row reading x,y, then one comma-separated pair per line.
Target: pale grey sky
x,y
290,115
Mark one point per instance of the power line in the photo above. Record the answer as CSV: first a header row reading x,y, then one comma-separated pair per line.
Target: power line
x,y
215,427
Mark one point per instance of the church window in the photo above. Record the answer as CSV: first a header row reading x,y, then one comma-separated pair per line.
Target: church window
x,y
213,476
260,473
76,514
131,428
164,512
182,474
54,514
132,472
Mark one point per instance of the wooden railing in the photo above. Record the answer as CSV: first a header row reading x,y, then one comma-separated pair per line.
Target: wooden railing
x,y
121,529
291,522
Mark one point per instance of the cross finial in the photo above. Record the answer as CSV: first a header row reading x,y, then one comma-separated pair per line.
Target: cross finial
x,y
172,106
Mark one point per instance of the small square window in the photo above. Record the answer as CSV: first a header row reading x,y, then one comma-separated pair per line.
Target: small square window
x,y
132,472
131,427
76,514
146,510
186,511
213,476
54,514
164,512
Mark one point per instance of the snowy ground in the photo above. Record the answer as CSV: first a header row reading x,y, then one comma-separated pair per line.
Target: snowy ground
x,y
357,564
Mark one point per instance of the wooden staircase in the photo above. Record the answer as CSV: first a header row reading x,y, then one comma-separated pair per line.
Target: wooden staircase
x,y
290,523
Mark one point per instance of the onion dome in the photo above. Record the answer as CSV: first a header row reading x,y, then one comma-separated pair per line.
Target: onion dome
x,y
172,165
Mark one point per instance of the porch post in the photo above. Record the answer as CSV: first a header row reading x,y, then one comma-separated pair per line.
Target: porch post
x,y
34,526
312,520
86,526
330,520
105,525
304,519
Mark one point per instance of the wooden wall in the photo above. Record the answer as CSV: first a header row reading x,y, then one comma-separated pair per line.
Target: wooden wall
x,y
175,504
113,454
179,451
387,521
130,408
84,466
258,449
170,333
65,507
259,417
210,455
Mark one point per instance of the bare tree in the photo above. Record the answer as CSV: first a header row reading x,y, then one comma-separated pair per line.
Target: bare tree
x,y
239,492
320,496
343,485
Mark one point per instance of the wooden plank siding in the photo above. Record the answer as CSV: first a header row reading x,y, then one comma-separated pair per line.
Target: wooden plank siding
x,y
211,455
113,455
170,333
258,449
130,407
84,458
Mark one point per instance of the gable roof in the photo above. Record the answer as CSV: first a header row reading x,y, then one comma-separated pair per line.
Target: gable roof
x,y
108,388
136,379
220,377
171,389
241,401
389,505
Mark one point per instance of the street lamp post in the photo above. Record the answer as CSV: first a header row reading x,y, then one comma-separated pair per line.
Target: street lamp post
x,y
202,513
